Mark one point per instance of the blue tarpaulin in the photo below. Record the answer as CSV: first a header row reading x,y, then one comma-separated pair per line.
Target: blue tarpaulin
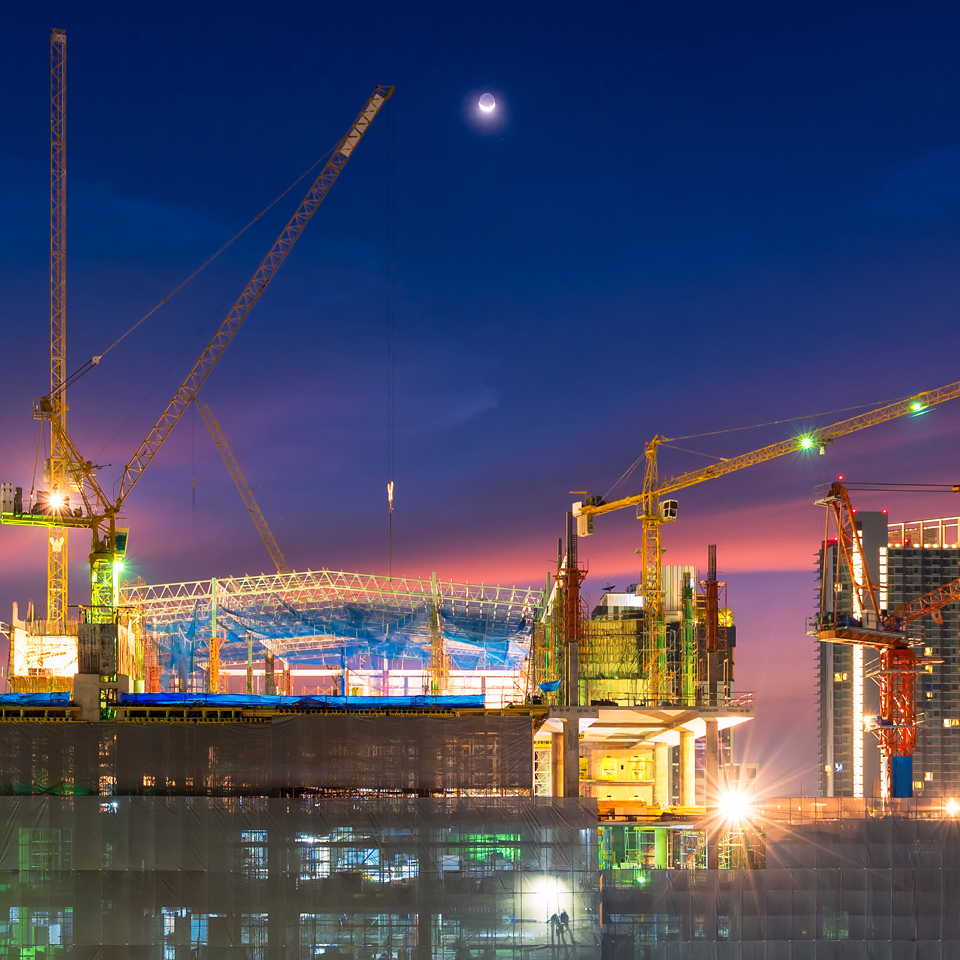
x,y
58,699
251,700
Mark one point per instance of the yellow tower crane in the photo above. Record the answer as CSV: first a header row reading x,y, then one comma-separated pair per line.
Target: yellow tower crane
x,y
56,469
99,512
653,510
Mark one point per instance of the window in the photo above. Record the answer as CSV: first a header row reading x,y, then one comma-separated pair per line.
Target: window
x,y
253,858
314,860
928,776
840,677
253,934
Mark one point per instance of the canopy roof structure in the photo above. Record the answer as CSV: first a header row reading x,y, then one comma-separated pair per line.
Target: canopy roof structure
x,y
333,618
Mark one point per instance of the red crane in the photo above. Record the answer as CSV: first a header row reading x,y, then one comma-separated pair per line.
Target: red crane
x,y
881,630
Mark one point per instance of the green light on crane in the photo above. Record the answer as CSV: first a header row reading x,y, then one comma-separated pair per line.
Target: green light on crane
x,y
806,443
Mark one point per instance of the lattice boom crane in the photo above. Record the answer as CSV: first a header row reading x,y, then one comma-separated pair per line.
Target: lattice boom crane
x,y
99,512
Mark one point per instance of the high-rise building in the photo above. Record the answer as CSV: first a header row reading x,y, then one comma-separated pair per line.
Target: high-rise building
x,y
906,560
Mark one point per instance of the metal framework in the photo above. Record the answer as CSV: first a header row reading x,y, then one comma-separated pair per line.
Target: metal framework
x,y
233,465
931,603
347,622
172,601
58,472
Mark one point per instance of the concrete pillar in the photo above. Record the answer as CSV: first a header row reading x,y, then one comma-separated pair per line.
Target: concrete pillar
x,y
661,775
688,769
88,691
660,848
571,757
424,935
556,764
573,673
712,791
712,764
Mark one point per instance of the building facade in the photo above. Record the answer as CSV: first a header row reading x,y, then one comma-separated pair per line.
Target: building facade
x,y
906,560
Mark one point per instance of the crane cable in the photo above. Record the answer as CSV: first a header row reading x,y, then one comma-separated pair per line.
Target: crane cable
x,y
391,324
95,360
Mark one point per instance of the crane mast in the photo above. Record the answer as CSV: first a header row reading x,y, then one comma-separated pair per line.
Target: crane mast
x,y
57,467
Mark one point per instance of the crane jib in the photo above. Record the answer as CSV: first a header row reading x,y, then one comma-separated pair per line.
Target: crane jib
x,y
360,127
816,437
258,283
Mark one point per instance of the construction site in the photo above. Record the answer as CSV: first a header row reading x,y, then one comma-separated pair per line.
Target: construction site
x,y
322,763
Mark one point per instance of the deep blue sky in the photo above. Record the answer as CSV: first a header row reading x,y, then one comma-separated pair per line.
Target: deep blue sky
x,y
691,218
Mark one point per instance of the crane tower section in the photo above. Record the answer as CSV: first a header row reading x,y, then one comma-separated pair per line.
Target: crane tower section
x,y
56,473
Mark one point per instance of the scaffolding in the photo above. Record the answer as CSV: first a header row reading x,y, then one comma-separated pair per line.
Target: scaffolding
x,y
258,879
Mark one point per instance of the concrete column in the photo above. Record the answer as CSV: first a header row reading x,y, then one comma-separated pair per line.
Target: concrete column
x,y
660,848
661,775
571,757
424,934
556,764
712,764
712,791
573,673
688,769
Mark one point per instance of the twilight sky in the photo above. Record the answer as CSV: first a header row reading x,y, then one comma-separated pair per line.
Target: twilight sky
x,y
688,218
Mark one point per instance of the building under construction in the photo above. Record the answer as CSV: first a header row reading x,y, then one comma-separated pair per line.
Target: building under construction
x,y
907,561
326,764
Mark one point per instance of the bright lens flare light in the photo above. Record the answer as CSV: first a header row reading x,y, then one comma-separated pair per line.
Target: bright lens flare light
x,y
916,406
734,807
806,443
952,807
487,103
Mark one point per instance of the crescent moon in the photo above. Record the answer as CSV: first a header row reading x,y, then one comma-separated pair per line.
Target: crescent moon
x,y
487,103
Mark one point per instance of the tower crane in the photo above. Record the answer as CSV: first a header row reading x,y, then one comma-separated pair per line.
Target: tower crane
x,y
56,468
653,511
99,512
233,465
882,630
